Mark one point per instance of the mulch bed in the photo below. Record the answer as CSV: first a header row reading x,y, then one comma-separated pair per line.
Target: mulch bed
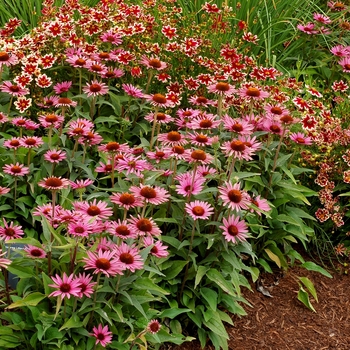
x,y
282,322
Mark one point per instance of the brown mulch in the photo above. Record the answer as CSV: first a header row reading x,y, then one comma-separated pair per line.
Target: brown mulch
x,y
282,322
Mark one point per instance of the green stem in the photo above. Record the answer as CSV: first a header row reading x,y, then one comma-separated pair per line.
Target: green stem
x,y
153,128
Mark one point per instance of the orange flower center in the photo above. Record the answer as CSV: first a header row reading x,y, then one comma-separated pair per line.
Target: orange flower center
x,y
35,252
122,230
103,55
198,155
178,150
126,258
96,68
112,146
53,182
232,230
198,210
234,196
4,56
155,63
159,98
253,92
287,119
30,141
80,62
103,264
55,156
276,110
14,88
275,128
95,87
14,143
10,232
94,210
188,113
144,225
65,287
202,99
237,145
51,118
237,127
222,86
161,116
127,198
79,230
159,154
205,123
300,140
173,136
64,100
148,192
201,138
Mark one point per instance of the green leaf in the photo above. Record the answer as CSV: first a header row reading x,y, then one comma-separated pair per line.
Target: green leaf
x,y
213,321
210,296
176,267
311,266
202,270
30,300
265,265
21,271
310,286
303,296
216,277
173,312
144,283
73,322
273,257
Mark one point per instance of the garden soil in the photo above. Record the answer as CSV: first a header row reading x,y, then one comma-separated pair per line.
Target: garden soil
x,y
282,322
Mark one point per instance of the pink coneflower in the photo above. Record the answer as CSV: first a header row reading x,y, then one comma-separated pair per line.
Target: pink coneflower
x,y
159,154
158,100
276,110
4,262
143,226
102,335
188,185
13,143
7,59
64,86
80,228
96,88
153,63
105,168
222,88
204,121
4,190
161,118
103,262
322,18
300,138
251,143
253,93
238,126
179,152
308,28
77,61
97,67
199,210
12,89
128,257
201,140
126,200
340,50
51,120
85,285
345,63
3,118
201,101
79,184
16,169
66,102
234,230
10,231
154,195
54,183
103,56
237,149
98,210
54,156
111,37
204,170
133,91
121,229
153,326
48,102
233,197
261,203
159,250
172,138
35,252
31,141
66,286
113,147
199,156
273,126
133,165
113,73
